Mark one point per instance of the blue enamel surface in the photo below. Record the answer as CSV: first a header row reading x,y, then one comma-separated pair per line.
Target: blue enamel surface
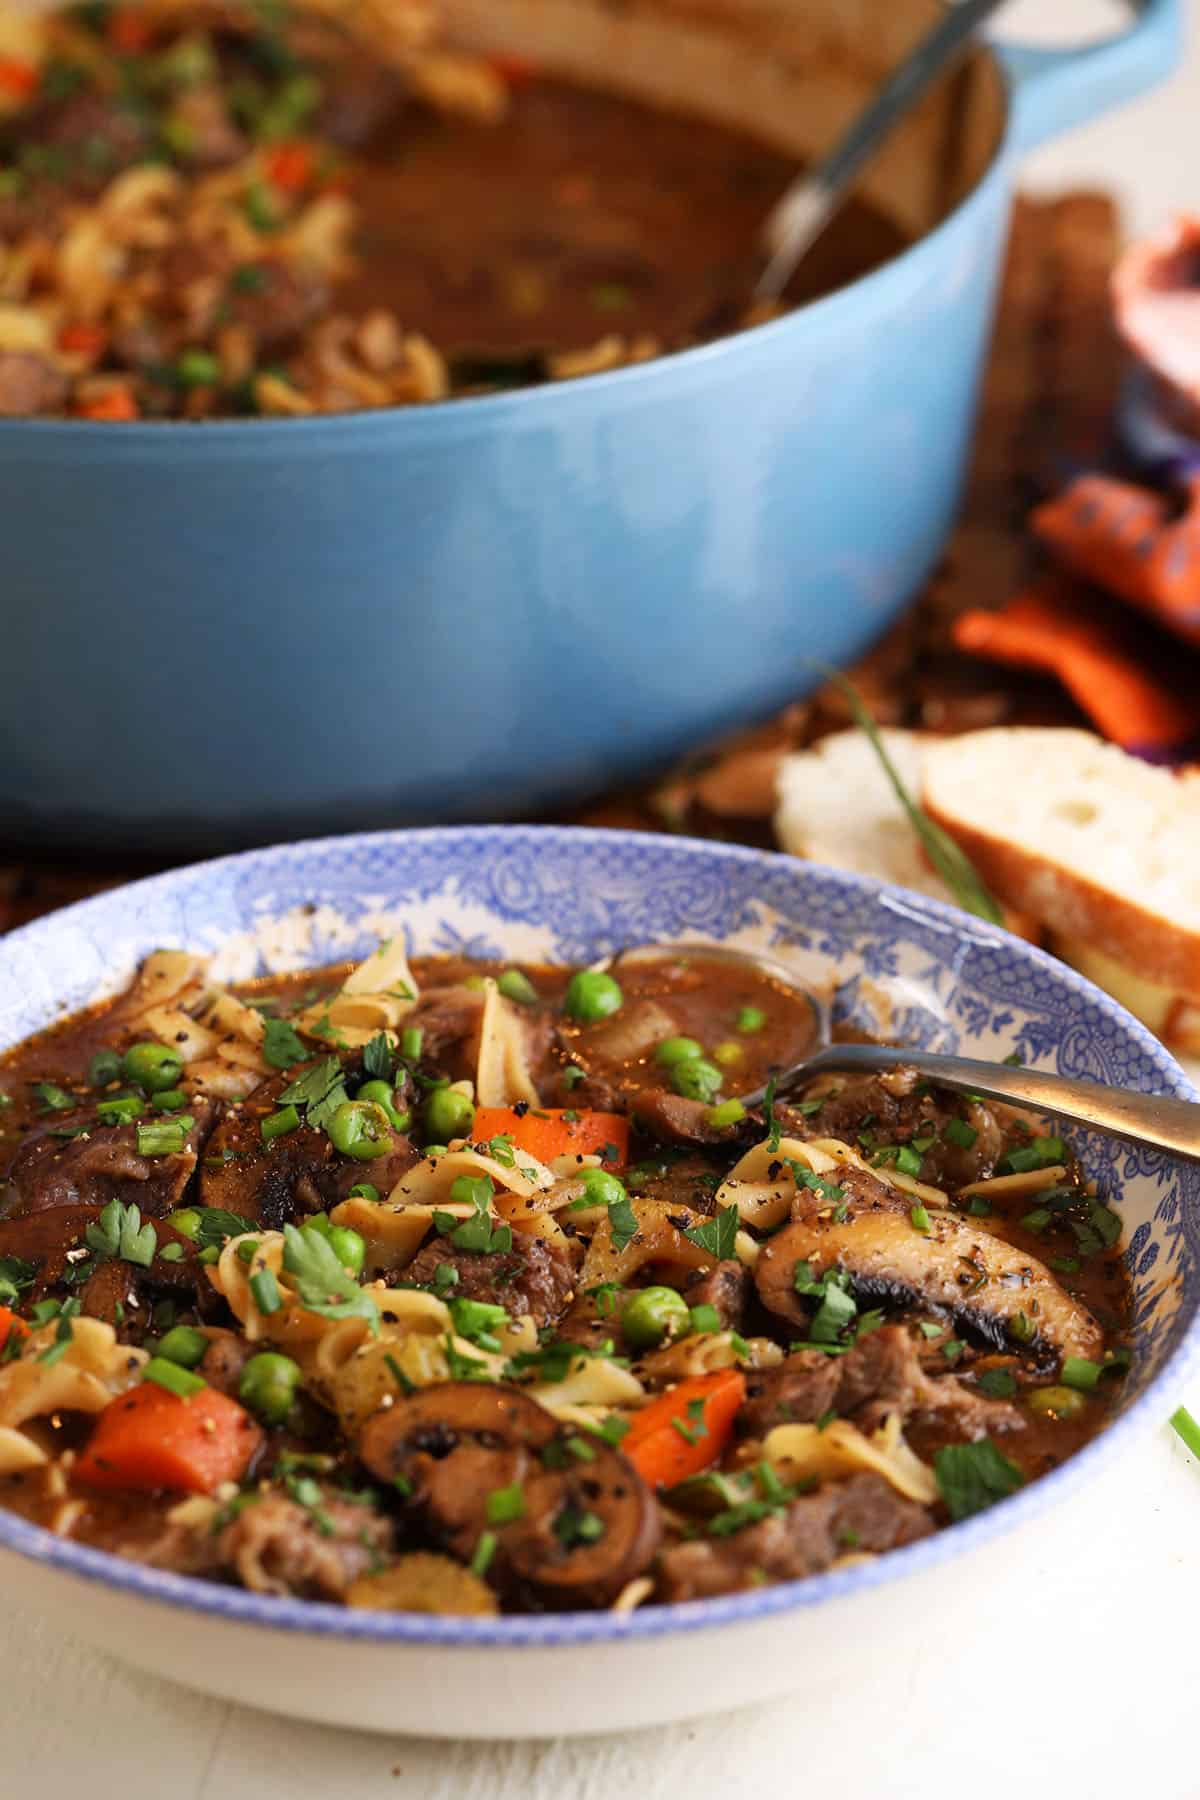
x,y
260,628
577,895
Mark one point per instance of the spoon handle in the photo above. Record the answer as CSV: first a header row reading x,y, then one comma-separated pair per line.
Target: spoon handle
x,y
1169,1124
806,207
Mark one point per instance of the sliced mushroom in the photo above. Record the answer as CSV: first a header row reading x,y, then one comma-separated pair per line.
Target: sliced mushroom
x,y
588,1531
587,1524
1001,1292
450,1445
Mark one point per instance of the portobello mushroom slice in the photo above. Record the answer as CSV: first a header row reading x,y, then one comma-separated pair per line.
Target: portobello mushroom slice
x,y
579,1522
986,1284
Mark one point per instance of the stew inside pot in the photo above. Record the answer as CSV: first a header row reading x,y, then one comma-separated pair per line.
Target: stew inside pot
x,y
457,1287
222,209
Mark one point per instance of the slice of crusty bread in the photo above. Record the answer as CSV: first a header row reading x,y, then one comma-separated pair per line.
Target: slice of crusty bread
x,y
836,806
1102,848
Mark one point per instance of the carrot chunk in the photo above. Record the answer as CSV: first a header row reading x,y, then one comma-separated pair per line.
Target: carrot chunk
x,y
17,78
290,166
150,1438
686,1429
11,1325
117,403
547,1133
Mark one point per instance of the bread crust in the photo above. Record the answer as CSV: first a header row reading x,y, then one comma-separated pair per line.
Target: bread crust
x,y
1073,906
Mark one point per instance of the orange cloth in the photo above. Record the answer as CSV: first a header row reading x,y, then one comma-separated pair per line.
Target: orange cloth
x,y
1103,661
1132,542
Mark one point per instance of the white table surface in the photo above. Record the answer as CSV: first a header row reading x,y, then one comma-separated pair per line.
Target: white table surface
x,y
1104,1705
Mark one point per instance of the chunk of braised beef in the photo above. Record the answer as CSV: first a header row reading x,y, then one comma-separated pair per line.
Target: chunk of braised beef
x,y
103,1163
863,1513
274,300
726,1288
206,136
272,1544
534,1277
91,136
294,1175
895,1108
879,1377
29,384
676,1119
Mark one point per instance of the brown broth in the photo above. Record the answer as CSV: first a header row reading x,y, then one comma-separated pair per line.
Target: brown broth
x,y
579,214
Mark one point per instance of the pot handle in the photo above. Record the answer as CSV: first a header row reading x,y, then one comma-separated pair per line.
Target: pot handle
x,y
1053,90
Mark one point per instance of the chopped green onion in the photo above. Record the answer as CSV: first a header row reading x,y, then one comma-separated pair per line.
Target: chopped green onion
x,y
920,1219
730,1112
705,1318
485,1549
278,1124
265,1289
957,1131
411,1039
1038,1219
164,1137
505,1504
1079,1372
172,1376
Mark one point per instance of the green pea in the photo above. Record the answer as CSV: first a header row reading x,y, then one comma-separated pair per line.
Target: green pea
x,y
728,1053
600,1188
448,1114
361,1130
654,1315
186,1221
268,1386
381,1093
152,1067
750,1020
677,1050
183,1344
592,995
349,1248
104,1069
697,1079
1056,1402
730,1112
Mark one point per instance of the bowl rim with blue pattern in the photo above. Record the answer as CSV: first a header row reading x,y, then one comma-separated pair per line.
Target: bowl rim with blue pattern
x,y
590,891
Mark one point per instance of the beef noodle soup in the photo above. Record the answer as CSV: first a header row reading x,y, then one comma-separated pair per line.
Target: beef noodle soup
x,y
463,1288
209,210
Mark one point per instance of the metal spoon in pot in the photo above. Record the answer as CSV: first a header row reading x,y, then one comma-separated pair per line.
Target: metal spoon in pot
x,y
1166,1124
812,199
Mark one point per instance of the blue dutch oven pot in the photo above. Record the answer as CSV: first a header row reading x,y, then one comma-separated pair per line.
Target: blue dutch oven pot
x,y
222,632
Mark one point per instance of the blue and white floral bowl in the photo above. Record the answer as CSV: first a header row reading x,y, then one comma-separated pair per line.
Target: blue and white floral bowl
x,y
946,980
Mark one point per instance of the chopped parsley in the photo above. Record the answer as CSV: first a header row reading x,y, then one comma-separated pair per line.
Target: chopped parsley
x,y
718,1236
322,1284
378,1058
320,1091
998,1384
120,1233
281,1044
15,1275
972,1477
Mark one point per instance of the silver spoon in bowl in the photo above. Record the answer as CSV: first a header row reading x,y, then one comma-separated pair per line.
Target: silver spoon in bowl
x,y
799,217
1165,1123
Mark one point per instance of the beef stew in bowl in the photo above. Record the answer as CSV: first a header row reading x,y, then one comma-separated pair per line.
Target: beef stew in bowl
x,y
225,210
462,1287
